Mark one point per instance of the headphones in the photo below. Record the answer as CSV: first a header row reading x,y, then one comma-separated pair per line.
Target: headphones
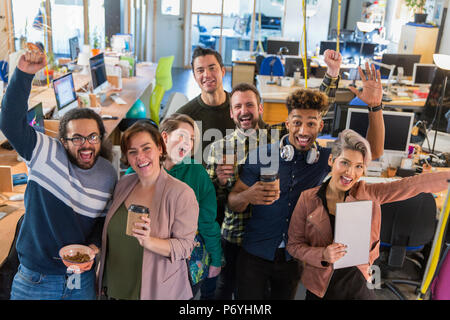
x,y
287,152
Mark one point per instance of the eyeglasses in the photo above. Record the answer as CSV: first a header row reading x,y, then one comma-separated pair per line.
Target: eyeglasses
x,y
80,140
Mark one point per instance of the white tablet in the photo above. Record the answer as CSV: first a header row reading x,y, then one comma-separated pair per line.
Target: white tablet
x,y
352,228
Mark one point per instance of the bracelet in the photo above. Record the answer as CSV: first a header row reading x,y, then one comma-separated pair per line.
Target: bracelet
x,y
377,108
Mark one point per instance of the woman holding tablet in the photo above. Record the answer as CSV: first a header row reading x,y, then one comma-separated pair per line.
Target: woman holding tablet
x,y
312,223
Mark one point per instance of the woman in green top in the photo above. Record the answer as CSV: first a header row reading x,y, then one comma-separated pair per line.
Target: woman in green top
x,y
179,132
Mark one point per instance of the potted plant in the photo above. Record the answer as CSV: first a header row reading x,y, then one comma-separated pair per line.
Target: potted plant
x,y
95,44
418,6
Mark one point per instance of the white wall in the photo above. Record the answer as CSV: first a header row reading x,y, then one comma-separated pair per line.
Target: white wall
x,y
317,26
445,41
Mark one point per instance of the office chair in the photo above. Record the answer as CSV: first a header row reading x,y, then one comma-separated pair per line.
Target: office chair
x,y
272,66
163,79
9,266
406,228
259,59
176,101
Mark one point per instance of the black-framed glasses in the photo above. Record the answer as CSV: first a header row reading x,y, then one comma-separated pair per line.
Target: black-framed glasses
x,y
80,140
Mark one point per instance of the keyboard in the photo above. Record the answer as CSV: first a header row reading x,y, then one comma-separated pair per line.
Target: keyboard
x,y
377,179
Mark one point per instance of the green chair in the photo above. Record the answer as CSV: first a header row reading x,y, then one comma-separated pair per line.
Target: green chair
x,y
163,83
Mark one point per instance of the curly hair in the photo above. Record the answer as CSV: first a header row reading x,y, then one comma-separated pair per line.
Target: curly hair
x,y
308,99
81,114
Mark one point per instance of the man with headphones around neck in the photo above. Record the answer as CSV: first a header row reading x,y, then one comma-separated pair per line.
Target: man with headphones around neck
x,y
301,164
246,111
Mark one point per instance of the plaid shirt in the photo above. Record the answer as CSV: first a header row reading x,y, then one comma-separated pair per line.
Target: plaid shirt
x,y
239,144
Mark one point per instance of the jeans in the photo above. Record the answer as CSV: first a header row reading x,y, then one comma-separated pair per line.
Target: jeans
x,y
32,285
256,275
226,285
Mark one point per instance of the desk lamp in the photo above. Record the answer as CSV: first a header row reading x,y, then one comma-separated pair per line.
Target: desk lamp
x,y
83,60
364,27
442,61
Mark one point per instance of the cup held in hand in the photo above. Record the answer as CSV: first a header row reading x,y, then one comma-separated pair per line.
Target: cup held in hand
x,y
135,212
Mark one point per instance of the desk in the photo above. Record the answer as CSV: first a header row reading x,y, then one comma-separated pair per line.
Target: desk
x,y
8,223
274,98
243,59
133,88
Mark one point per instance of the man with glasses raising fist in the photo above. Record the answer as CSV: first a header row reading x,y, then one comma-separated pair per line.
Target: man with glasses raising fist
x,y
70,183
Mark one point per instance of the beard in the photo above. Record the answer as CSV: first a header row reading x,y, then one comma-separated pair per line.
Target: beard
x,y
253,122
74,160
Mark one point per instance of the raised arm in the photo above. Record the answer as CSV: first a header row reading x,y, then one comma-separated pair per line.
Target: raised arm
x,y
330,81
372,95
407,187
13,121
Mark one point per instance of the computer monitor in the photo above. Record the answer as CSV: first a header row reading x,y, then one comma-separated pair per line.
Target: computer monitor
x,y
431,108
406,61
423,73
397,125
66,98
353,48
74,48
292,64
386,71
324,45
98,73
273,46
35,118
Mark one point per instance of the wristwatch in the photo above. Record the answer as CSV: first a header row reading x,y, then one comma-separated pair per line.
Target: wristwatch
x,y
376,108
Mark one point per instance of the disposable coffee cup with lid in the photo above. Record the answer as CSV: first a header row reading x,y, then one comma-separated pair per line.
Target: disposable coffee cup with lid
x,y
135,212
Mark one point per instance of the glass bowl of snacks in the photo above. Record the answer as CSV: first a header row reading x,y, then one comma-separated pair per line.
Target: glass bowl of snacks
x,y
77,257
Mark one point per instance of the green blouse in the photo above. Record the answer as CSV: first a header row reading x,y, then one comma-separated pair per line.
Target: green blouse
x,y
123,269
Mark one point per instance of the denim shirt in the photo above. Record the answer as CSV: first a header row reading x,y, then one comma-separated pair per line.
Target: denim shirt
x,y
268,226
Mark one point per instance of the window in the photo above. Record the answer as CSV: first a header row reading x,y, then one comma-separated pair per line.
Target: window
x,y
67,22
226,25
97,23
170,7
25,12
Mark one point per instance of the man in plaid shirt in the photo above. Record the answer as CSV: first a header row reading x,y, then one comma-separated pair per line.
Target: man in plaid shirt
x,y
228,154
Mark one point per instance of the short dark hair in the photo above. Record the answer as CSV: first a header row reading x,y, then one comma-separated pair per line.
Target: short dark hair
x,y
242,87
141,126
308,99
201,52
85,113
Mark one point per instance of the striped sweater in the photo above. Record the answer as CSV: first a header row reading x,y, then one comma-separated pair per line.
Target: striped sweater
x,y
64,204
